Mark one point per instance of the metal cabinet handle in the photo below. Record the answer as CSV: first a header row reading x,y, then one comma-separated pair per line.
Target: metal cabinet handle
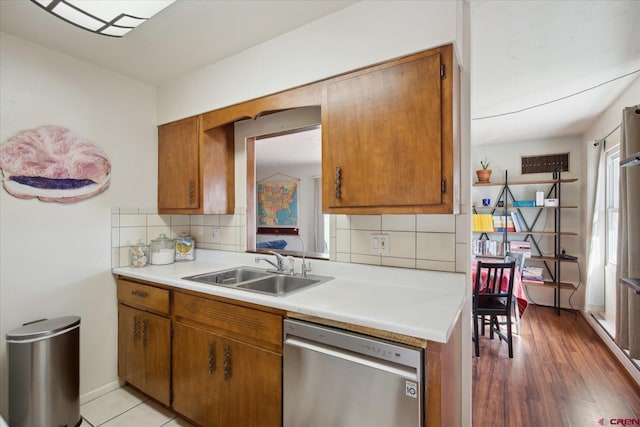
x,y
338,182
144,332
212,366
191,192
135,328
227,363
141,294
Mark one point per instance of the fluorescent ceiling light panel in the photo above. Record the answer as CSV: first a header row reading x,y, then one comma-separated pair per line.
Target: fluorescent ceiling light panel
x,y
113,18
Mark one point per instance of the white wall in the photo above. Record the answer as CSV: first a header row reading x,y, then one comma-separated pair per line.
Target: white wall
x,y
602,126
360,35
55,258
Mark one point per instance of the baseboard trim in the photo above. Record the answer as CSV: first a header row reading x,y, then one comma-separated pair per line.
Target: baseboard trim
x,y
631,368
594,308
95,393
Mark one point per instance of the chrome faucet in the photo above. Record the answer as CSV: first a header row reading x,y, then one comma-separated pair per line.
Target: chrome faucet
x,y
278,265
304,268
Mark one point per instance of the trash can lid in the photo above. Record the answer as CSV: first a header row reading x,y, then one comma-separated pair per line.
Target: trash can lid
x,y
43,328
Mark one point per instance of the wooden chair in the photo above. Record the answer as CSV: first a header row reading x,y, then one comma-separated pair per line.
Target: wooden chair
x,y
518,258
490,298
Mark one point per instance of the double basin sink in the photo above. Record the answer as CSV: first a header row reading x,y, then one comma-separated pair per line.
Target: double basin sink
x,y
258,280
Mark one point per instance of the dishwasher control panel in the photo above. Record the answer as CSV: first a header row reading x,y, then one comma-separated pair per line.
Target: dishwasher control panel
x,y
357,343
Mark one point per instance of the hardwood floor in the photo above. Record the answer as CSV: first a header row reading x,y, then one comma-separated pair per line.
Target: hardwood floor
x,y
561,375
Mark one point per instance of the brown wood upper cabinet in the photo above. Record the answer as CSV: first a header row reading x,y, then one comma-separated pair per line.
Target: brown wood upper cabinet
x,y
195,168
389,142
388,137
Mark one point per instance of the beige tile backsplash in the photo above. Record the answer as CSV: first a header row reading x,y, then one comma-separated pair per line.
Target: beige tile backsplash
x,y
399,222
430,242
130,225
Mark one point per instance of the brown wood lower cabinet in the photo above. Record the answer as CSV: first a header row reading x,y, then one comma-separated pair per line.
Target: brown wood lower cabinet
x,y
227,362
213,361
222,382
144,343
223,365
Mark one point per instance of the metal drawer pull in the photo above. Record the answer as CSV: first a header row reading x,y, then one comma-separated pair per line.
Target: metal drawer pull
x,y
135,328
338,181
144,332
191,192
227,363
140,294
212,366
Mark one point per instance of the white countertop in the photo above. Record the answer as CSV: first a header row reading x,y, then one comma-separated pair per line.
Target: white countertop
x,y
418,303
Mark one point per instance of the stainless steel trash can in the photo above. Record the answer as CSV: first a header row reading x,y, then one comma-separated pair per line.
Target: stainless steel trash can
x,y
44,373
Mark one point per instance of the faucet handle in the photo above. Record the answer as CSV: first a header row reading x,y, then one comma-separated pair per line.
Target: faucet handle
x,y
280,260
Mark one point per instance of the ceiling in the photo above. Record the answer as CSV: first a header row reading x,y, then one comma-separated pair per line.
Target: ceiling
x,y
526,53
299,148
186,36
523,53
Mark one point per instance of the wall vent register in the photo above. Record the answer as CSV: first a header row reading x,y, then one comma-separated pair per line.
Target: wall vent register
x,y
546,163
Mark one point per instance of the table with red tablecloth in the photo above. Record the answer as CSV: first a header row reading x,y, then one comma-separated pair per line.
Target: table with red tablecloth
x,y
518,290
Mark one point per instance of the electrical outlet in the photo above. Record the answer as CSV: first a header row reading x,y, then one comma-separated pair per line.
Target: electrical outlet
x,y
216,235
380,244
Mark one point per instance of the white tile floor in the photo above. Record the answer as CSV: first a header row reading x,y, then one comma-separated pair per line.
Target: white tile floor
x,y
125,407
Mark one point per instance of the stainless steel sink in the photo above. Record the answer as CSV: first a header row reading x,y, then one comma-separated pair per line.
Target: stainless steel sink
x,y
257,280
230,277
278,284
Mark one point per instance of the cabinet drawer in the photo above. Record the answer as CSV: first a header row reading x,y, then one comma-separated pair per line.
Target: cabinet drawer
x,y
241,323
144,296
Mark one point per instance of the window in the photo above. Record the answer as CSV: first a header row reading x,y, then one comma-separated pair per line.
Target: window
x,y
612,198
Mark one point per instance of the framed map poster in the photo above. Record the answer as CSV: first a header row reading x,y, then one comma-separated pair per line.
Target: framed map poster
x,y
277,203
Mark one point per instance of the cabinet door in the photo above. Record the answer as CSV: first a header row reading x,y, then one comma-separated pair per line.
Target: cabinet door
x,y
144,344
156,349
382,135
178,165
197,368
223,382
252,386
129,357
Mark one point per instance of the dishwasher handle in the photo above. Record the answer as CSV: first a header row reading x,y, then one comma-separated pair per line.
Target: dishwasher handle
x,y
412,373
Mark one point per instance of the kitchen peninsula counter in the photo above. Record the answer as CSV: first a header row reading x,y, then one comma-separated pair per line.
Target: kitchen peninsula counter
x,y
416,303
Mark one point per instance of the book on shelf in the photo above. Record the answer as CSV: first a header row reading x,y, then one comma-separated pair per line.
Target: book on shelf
x,y
532,274
524,203
520,246
482,223
518,222
503,223
482,247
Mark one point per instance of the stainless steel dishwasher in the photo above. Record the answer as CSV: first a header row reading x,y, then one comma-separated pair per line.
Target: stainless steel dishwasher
x,y
335,378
